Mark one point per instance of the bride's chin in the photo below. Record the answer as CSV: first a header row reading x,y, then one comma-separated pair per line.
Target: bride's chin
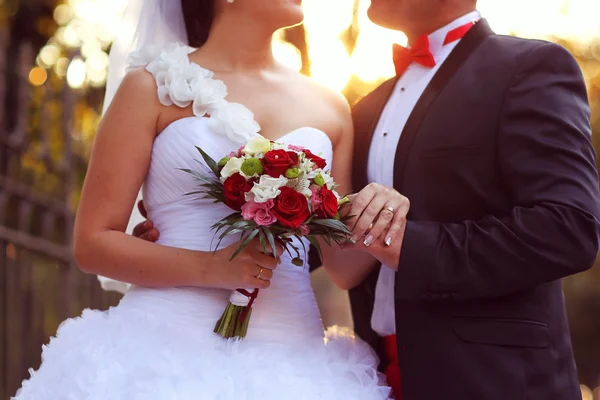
x,y
295,17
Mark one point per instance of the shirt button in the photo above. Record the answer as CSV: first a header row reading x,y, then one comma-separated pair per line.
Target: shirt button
x,y
384,133
402,89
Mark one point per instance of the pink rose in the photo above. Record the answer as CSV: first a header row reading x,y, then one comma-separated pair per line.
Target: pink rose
x,y
259,212
304,231
316,199
295,148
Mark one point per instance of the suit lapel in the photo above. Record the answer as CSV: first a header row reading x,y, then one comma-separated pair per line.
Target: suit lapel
x,y
448,69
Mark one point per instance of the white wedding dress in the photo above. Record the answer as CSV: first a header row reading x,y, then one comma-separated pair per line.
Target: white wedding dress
x,y
158,344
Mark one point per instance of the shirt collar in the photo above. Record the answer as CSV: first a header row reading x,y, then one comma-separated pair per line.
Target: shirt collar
x,y
436,39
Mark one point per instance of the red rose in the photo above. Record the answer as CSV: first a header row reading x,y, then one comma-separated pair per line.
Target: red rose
x,y
319,162
328,205
276,162
234,189
291,208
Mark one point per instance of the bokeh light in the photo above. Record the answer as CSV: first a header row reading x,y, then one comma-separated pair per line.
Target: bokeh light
x,y
76,73
90,26
38,76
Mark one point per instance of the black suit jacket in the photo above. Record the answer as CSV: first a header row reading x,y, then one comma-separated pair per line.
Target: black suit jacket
x,y
497,162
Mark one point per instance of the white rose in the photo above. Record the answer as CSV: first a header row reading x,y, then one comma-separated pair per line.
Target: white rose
x,y
235,121
267,188
210,93
257,145
232,167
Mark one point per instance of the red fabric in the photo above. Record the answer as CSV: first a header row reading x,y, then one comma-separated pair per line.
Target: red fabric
x,y
458,33
252,296
392,371
418,53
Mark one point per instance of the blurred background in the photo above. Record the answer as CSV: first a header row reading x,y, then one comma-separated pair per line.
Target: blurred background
x,y
53,67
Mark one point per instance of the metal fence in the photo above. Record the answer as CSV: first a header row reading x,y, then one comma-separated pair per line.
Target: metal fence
x,y
40,284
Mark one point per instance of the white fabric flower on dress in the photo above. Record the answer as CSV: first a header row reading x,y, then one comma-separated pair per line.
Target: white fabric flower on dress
x,y
182,83
267,188
173,54
235,121
142,57
210,95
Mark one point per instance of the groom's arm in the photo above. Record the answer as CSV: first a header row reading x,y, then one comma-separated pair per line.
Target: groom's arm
x,y
548,166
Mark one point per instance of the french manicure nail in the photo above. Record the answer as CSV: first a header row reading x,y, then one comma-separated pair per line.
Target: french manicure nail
x,y
388,241
353,240
368,240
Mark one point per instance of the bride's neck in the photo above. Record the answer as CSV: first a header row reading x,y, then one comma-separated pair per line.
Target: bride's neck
x,y
236,45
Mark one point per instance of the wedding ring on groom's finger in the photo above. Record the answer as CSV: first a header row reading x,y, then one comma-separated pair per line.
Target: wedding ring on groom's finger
x,y
260,273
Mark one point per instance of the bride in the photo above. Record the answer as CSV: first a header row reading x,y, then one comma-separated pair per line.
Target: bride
x,y
158,343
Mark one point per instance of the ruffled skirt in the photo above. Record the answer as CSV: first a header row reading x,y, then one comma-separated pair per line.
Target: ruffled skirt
x,y
132,354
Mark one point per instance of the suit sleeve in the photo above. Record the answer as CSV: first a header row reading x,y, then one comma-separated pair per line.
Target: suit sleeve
x,y
548,167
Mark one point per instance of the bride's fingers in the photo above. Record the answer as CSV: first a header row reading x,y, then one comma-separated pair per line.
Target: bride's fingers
x,y
264,260
142,208
384,219
150,236
359,203
367,219
398,222
278,248
263,273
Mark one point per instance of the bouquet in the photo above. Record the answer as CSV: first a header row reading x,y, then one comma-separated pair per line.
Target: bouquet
x,y
277,192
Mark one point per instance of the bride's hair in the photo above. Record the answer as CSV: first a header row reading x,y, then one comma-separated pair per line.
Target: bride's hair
x,y
198,16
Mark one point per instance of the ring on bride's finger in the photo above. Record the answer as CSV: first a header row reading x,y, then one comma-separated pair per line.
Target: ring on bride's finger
x,y
389,208
370,227
260,273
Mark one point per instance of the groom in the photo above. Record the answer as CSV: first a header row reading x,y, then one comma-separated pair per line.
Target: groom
x,y
489,138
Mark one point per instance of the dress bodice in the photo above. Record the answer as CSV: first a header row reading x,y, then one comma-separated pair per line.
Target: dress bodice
x,y
185,220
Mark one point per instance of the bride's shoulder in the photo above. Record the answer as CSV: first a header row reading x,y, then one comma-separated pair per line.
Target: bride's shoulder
x,y
332,99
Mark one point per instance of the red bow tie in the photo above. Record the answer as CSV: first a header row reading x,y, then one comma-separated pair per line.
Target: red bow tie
x,y
419,52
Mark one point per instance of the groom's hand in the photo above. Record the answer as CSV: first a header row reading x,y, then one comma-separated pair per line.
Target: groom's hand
x,y
145,230
387,255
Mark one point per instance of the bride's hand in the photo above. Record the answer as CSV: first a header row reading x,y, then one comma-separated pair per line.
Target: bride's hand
x,y
250,269
377,210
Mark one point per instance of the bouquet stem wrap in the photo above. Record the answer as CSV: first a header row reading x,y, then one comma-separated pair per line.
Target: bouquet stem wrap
x,y
235,318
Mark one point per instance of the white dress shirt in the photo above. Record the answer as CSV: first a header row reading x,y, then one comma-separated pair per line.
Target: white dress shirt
x,y
403,99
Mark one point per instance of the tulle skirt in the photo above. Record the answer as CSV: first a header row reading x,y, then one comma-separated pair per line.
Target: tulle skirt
x,y
130,353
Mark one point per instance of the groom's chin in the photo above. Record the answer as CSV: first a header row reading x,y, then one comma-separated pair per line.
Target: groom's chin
x,y
379,13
